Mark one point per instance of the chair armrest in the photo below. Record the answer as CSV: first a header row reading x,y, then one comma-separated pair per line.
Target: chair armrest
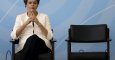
x,y
52,41
12,41
15,41
110,39
67,40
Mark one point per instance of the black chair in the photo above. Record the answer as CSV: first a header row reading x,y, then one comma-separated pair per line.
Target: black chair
x,y
47,56
89,34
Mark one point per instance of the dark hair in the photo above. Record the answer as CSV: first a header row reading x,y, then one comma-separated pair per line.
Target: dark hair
x,y
25,1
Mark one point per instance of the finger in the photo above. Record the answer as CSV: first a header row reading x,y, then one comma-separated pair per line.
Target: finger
x,y
33,13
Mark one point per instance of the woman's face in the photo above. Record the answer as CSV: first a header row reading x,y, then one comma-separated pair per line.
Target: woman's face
x,y
31,5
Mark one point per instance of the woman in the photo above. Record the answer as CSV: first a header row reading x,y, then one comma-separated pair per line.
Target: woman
x,y
33,31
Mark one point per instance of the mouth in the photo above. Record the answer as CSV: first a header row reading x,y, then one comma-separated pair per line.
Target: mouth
x,y
32,9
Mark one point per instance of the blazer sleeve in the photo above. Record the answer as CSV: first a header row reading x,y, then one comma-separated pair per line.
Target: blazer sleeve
x,y
16,25
48,27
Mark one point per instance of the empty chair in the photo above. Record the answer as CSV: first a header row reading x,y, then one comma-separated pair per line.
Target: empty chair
x,y
88,34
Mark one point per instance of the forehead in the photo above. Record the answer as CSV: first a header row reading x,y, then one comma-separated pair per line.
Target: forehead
x,y
32,0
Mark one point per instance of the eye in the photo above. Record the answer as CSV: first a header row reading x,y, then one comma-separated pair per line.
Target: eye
x,y
35,2
30,2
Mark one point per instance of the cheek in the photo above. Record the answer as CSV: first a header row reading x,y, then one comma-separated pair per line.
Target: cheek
x,y
36,7
27,6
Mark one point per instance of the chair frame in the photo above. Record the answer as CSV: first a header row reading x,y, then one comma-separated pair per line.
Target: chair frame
x,y
69,44
14,42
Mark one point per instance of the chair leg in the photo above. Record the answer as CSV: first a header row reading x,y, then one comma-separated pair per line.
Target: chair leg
x,y
108,50
52,56
69,50
13,51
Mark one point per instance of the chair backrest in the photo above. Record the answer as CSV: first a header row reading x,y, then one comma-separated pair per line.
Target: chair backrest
x,y
88,33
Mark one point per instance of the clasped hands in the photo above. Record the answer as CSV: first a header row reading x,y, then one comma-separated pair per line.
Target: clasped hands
x,y
32,17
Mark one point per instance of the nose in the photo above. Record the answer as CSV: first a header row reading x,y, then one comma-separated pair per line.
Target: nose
x,y
32,4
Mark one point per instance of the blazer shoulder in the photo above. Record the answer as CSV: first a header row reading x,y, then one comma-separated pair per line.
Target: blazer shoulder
x,y
43,14
21,15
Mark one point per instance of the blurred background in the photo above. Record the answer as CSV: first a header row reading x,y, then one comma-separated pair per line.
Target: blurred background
x,y
62,14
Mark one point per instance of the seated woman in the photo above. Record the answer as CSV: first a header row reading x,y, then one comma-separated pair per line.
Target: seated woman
x,y
33,31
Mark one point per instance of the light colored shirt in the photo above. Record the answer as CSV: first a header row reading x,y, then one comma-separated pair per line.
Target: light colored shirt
x,y
28,31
